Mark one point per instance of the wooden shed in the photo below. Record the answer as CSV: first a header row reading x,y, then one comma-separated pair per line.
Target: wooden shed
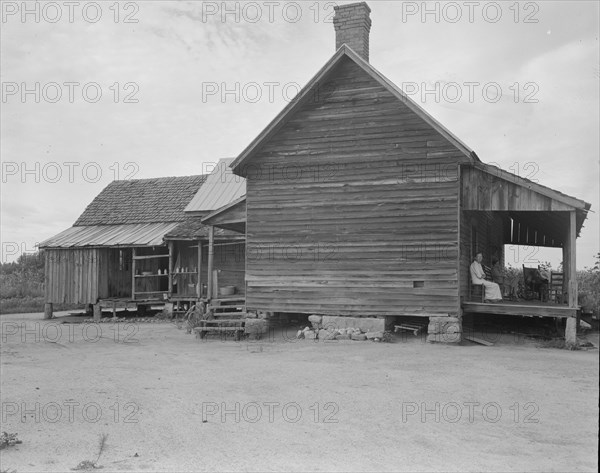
x,y
359,203
115,250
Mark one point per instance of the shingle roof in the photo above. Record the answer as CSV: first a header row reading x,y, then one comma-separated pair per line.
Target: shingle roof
x,y
142,201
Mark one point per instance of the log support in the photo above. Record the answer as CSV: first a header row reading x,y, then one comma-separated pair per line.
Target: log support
x,y
48,310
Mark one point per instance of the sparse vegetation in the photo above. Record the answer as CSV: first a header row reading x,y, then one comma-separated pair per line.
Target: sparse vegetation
x,y
93,465
8,440
22,285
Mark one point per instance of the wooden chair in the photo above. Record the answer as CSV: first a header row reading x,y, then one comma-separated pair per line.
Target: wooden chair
x,y
477,291
534,286
556,290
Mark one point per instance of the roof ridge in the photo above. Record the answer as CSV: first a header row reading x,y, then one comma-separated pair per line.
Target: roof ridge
x,y
194,176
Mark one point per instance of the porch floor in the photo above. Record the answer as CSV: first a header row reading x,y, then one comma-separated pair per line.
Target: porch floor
x,y
521,307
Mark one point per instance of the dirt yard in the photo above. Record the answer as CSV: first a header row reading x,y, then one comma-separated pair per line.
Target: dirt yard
x,y
169,402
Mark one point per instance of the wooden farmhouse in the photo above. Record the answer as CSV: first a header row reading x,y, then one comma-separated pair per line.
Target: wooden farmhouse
x,y
360,204
353,204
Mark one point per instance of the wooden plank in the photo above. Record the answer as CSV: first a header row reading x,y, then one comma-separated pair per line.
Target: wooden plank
x,y
480,341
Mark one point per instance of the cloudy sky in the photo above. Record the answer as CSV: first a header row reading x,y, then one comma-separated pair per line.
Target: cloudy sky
x,y
92,92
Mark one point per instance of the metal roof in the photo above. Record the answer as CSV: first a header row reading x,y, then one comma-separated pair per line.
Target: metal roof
x,y
140,234
220,188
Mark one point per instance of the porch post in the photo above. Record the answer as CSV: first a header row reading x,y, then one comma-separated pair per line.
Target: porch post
x,y
211,249
572,269
133,265
170,269
571,278
199,288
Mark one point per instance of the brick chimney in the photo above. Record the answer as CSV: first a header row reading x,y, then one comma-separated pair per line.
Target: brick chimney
x,y
352,26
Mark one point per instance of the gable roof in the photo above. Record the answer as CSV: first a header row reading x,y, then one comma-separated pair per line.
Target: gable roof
x,y
142,201
221,188
305,94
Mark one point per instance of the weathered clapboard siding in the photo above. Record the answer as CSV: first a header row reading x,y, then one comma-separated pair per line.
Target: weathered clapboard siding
x,y
352,208
72,275
485,191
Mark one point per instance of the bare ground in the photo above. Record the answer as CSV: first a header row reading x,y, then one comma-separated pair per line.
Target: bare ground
x,y
169,402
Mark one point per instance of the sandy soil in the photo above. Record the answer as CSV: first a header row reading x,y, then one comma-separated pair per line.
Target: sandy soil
x,y
169,402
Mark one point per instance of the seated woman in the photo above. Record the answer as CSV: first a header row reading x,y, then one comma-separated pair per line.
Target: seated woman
x,y
508,285
492,290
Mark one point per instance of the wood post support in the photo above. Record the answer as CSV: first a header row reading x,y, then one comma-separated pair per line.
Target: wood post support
x,y
48,310
97,312
211,250
170,270
199,287
571,332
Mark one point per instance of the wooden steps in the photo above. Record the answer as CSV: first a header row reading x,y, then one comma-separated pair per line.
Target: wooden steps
x,y
228,315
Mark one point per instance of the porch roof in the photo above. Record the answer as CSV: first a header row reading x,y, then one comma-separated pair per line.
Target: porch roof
x,y
194,229
534,214
125,235
231,216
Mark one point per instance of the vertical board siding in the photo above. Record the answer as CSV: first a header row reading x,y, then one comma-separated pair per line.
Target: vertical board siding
x,y
352,208
72,276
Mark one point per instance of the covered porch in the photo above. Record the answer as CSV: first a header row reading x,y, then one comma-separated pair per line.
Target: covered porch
x,y
498,209
203,260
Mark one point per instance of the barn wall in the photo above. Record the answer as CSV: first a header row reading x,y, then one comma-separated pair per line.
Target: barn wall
x,y
72,276
352,208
